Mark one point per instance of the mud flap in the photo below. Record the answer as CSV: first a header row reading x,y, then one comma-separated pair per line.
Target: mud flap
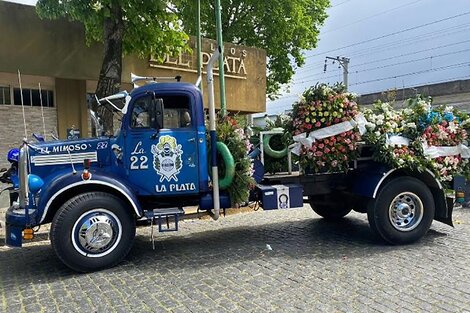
x,y
13,235
444,207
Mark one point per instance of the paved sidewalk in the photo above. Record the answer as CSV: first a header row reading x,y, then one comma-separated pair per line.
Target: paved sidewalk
x,y
275,261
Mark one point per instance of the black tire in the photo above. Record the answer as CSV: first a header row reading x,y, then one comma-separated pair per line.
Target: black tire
x,y
403,211
103,214
330,208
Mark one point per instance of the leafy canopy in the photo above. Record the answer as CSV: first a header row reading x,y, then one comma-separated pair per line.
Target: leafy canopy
x,y
282,27
150,27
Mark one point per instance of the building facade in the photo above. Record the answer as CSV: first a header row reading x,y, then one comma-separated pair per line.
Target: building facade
x,y
455,93
52,57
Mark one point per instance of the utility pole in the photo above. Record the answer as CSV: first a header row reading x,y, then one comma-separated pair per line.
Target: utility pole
x,y
199,43
344,63
220,42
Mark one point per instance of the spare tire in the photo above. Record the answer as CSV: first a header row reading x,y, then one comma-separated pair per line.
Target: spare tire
x,y
276,154
229,164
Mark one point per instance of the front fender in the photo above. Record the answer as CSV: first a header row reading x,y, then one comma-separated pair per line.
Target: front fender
x,y
70,182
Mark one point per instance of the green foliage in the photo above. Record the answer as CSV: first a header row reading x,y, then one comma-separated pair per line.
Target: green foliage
x,y
149,26
230,133
283,28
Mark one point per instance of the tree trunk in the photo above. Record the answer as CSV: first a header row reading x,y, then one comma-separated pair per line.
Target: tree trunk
x,y
110,75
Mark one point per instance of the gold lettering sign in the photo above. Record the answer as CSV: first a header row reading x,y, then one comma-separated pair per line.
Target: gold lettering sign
x,y
234,61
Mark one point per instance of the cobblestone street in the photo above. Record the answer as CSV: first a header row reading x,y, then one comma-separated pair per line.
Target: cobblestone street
x,y
254,262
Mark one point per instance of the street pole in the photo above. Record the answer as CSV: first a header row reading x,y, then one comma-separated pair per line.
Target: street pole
x,y
199,43
344,62
220,43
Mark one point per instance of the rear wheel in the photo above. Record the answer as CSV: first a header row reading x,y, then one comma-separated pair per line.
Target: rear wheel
x,y
403,211
329,207
92,231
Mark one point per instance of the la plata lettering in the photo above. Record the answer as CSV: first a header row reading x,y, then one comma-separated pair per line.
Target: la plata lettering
x,y
175,187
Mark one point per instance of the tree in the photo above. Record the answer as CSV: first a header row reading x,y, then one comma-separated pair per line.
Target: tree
x,y
284,28
143,27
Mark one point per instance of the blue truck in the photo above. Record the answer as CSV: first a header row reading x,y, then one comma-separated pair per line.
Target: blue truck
x,y
96,191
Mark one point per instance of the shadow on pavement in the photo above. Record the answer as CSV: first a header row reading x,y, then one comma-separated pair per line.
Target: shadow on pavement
x,y
349,238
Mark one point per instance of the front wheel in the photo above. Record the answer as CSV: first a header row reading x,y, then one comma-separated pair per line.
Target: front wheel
x,y
92,231
403,211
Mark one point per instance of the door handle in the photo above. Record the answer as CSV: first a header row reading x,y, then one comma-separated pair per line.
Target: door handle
x,y
192,140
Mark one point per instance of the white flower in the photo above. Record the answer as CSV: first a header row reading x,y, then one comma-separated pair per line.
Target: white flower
x,y
97,6
377,133
408,111
452,127
401,162
442,135
448,109
370,126
411,125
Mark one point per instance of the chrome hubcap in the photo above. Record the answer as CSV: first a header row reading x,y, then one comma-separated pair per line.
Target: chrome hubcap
x,y
406,211
96,233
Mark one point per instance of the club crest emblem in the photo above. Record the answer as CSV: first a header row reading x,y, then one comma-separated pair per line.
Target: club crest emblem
x,y
167,158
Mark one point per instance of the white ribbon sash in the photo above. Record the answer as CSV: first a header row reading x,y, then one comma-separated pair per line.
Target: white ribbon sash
x,y
329,131
442,151
396,140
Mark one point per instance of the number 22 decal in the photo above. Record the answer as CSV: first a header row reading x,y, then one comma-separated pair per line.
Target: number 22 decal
x,y
136,165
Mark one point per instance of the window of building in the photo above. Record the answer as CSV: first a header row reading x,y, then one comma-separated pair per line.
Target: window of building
x,y
176,112
5,97
32,97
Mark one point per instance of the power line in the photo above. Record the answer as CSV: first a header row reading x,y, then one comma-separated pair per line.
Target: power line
x,y
423,37
390,65
394,33
398,43
414,73
423,84
336,5
411,53
372,16
410,61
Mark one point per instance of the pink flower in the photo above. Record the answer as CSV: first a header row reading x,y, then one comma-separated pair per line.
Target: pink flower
x,y
318,153
334,163
317,124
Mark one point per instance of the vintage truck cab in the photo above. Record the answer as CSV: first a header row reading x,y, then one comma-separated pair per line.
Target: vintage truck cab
x,y
94,190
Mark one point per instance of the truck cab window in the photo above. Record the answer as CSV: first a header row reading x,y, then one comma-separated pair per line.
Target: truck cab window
x,y
142,113
177,112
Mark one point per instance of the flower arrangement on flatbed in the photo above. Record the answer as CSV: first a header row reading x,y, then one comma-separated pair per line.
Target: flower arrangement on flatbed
x,y
328,127
420,137
323,124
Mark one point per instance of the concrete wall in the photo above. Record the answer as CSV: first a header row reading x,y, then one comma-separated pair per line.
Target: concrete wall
x,y
12,130
456,93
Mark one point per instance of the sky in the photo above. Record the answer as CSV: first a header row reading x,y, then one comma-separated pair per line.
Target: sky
x,y
390,44
422,42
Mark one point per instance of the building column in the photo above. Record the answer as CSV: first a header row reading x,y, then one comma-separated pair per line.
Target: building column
x,y
71,106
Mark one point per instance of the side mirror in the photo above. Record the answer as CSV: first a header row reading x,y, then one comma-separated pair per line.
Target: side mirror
x,y
158,112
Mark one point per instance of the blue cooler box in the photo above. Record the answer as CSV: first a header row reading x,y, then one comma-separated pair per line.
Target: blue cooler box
x,y
280,196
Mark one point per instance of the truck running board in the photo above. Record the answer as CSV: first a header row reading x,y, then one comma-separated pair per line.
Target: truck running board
x,y
165,214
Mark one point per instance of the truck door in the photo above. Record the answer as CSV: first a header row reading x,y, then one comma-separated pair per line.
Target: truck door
x,y
163,158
